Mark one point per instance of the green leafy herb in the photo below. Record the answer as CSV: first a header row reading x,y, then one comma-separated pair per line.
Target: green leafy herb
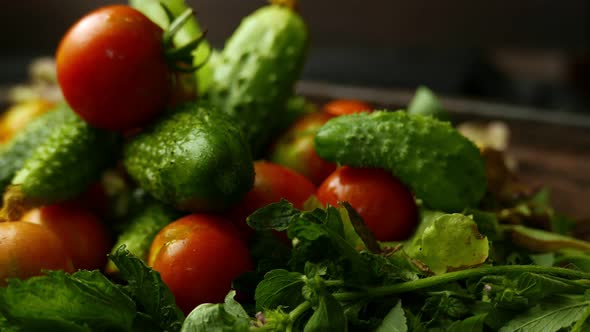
x,y
550,316
543,241
425,102
146,287
83,301
222,317
280,288
471,324
395,321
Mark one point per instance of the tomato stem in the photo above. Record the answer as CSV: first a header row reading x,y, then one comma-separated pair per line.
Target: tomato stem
x,y
383,291
15,204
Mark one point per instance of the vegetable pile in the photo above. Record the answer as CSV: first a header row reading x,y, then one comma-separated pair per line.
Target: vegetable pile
x,y
180,188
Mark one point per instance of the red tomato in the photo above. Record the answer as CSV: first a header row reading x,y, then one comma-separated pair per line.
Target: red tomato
x,y
346,106
386,205
198,256
85,238
295,149
272,183
112,70
26,249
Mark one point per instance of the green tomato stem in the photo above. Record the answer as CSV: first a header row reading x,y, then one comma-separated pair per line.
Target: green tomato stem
x,y
383,291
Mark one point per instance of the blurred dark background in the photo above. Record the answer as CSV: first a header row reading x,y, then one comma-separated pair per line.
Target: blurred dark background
x,y
527,52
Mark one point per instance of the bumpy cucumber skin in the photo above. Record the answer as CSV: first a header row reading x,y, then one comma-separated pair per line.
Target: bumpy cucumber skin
x,y
255,73
194,159
442,167
138,234
70,159
14,153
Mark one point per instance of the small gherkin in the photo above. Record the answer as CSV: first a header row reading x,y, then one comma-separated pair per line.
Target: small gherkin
x,y
194,159
442,167
71,158
256,71
15,152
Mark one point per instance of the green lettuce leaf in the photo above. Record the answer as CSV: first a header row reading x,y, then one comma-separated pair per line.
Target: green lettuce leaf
x,y
450,242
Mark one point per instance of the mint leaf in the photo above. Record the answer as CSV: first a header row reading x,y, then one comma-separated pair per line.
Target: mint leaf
x,y
279,288
550,316
219,317
146,287
471,324
275,216
394,321
328,315
83,301
537,286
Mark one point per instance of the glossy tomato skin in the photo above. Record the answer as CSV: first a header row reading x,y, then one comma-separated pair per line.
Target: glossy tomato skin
x,y
198,256
26,249
272,183
295,149
386,205
112,70
85,237
346,106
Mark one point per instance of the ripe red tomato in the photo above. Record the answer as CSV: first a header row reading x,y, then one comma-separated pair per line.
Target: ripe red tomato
x,y
198,256
112,70
272,183
26,249
386,205
295,149
346,106
85,238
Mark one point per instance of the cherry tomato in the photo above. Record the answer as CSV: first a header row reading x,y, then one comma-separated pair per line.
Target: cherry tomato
x,y
272,183
198,256
346,106
295,149
112,70
85,238
26,249
386,205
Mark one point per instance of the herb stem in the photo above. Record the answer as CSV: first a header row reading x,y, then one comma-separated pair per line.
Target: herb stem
x,y
300,309
334,283
382,291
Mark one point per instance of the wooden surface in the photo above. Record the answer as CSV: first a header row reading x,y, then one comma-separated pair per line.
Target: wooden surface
x,y
551,148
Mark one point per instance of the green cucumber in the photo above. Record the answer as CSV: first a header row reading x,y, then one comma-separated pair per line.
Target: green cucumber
x,y
61,167
193,159
255,73
14,153
442,167
144,225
